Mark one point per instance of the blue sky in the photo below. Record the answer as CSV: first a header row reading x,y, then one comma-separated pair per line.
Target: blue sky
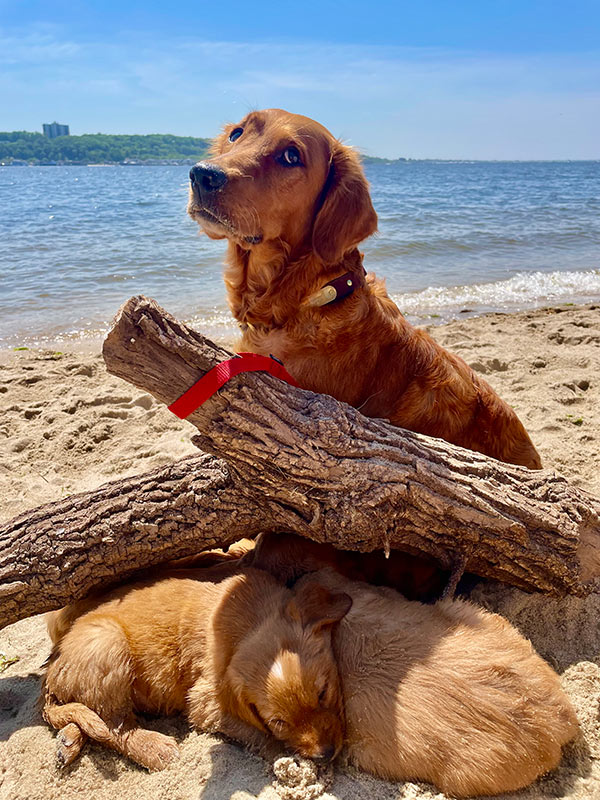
x,y
486,79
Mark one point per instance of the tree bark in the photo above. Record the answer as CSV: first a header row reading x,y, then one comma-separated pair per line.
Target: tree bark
x,y
61,551
299,462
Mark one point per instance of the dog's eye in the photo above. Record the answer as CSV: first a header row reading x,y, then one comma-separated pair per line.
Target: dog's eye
x,y
322,694
290,157
278,724
235,134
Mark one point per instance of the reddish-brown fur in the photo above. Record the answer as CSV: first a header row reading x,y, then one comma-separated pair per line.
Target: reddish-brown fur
x,y
233,648
288,557
448,694
291,229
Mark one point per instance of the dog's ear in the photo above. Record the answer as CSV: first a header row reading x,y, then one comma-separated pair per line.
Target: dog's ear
x,y
238,700
315,607
346,215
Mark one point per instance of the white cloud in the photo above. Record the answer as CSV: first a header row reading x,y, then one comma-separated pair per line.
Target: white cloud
x,y
38,46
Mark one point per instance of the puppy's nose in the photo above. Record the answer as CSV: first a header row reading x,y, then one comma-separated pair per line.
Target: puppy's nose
x,y
207,177
326,754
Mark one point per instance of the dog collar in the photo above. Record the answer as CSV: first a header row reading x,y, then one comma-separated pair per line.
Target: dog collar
x,y
337,289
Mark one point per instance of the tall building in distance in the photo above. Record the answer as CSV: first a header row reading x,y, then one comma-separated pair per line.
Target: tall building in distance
x,y
54,129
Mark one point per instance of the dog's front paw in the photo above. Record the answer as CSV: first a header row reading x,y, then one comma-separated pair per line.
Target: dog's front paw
x,y
69,742
151,749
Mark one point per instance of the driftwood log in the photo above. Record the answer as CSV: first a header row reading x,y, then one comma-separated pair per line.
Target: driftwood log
x,y
296,461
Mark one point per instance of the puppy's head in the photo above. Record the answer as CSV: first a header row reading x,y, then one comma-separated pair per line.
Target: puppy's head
x,y
283,679
282,177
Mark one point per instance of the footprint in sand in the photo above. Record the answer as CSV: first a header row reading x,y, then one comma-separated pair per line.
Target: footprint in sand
x,y
30,380
145,401
86,370
568,393
115,413
110,399
489,365
102,433
21,444
560,336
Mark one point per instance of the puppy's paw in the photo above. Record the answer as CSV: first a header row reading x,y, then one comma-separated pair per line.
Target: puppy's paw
x,y
164,751
151,749
69,742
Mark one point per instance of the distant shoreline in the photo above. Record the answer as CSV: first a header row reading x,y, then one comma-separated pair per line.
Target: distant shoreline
x,y
22,148
150,163
365,159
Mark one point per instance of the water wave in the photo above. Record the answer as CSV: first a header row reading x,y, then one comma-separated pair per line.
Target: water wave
x,y
522,291
68,259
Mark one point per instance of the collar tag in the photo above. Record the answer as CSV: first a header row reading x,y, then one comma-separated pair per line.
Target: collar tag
x,y
337,289
327,294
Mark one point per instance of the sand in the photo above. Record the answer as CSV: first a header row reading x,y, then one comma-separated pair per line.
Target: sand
x,y
67,426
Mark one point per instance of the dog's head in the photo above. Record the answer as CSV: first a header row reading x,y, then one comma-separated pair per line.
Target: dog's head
x,y
281,177
283,679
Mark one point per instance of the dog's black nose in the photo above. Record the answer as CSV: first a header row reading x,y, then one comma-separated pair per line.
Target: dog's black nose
x,y
207,177
326,754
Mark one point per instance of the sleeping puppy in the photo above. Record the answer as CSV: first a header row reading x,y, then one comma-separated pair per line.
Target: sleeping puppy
x,y
293,202
448,694
234,649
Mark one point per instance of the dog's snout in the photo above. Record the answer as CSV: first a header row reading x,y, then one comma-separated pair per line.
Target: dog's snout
x,y
207,177
326,754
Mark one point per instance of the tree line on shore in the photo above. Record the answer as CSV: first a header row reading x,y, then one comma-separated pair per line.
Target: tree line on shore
x,y
34,148
23,147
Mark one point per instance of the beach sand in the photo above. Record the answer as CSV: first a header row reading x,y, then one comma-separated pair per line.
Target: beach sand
x,y
66,426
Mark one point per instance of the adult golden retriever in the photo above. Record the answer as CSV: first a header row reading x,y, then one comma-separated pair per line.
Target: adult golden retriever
x,y
294,203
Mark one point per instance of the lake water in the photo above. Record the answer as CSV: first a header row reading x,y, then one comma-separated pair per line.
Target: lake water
x,y
75,242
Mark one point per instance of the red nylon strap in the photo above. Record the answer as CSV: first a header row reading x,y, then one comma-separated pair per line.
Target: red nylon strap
x,y
218,376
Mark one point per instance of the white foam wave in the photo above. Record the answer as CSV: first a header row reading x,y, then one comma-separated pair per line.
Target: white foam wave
x,y
433,305
217,324
523,290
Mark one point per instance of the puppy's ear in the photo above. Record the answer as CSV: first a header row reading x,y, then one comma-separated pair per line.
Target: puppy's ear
x,y
346,215
315,607
238,701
